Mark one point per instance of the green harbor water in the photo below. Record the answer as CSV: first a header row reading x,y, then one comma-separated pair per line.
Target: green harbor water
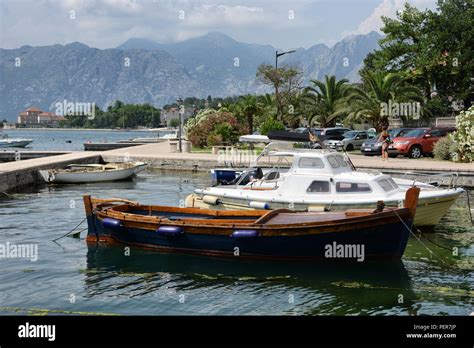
x,y
70,277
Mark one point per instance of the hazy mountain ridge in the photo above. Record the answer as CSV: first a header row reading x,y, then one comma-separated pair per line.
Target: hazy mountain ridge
x,y
213,64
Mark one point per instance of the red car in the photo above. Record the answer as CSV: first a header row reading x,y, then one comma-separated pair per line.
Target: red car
x,y
417,142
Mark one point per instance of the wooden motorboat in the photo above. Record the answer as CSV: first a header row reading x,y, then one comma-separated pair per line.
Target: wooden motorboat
x,y
84,173
356,234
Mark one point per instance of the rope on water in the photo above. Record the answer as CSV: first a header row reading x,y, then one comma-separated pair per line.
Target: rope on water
x,y
70,232
438,245
419,240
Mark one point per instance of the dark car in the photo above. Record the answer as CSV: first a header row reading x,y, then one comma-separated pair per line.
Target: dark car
x,y
335,133
373,147
417,142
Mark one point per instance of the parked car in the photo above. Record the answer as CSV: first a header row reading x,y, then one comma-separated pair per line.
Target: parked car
x,y
373,147
417,142
334,133
352,140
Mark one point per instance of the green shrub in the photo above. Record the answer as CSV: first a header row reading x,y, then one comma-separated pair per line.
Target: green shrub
x,y
463,137
269,125
443,149
223,124
214,139
226,132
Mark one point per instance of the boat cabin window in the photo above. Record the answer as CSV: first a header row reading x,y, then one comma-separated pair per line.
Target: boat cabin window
x,y
344,187
310,162
272,175
387,184
318,187
333,161
342,161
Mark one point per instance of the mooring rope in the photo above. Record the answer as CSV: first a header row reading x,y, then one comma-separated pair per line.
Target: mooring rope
x,y
438,245
419,240
65,235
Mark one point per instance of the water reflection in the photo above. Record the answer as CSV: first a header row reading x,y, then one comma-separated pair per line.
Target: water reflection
x,y
337,287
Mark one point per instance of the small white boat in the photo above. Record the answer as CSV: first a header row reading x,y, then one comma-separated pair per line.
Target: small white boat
x,y
164,134
84,173
5,141
321,180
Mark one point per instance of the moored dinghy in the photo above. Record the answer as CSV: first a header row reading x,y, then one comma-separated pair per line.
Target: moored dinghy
x,y
84,173
278,234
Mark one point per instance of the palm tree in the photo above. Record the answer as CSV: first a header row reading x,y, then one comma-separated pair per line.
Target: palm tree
x,y
250,107
325,101
380,89
267,101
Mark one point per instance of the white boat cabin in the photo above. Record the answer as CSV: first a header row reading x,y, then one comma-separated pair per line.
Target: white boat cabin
x,y
305,173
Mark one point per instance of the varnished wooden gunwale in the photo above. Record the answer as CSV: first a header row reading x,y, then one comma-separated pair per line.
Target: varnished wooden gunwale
x,y
196,211
217,227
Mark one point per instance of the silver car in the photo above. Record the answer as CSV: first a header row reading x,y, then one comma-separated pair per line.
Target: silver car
x,y
352,140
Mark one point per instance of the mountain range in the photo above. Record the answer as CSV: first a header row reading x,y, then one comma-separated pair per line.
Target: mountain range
x,y
141,70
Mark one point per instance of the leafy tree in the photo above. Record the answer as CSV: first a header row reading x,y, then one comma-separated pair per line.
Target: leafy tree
x,y
432,49
174,123
285,80
117,115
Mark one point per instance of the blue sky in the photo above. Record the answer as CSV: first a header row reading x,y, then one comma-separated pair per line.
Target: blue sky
x,y
108,23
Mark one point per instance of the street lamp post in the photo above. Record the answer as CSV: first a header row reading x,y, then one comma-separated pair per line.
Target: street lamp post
x,y
281,54
180,128
277,97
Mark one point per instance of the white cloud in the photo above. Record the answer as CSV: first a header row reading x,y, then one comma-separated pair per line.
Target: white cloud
x,y
212,15
387,8
108,23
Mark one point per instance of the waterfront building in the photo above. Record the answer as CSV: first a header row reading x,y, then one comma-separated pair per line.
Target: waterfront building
x,y
34,117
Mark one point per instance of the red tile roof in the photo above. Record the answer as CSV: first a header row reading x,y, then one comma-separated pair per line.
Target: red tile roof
x,y
33,109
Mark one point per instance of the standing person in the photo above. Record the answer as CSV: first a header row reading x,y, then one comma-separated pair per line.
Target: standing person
x,y
385,139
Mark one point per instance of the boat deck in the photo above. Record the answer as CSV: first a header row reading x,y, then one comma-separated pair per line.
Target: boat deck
x,y
177,216
273,217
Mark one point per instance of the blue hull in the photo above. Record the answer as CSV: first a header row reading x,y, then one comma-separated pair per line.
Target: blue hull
x,y
220,175
382,241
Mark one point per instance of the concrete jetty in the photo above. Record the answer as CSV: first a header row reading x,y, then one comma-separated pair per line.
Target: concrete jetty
x,y
22,173
11,155
158,155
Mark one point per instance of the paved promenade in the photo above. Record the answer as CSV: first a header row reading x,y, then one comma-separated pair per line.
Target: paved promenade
x,y
161,151
20,173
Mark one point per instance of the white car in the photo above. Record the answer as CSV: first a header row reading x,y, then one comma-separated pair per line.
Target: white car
x,y
352,140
